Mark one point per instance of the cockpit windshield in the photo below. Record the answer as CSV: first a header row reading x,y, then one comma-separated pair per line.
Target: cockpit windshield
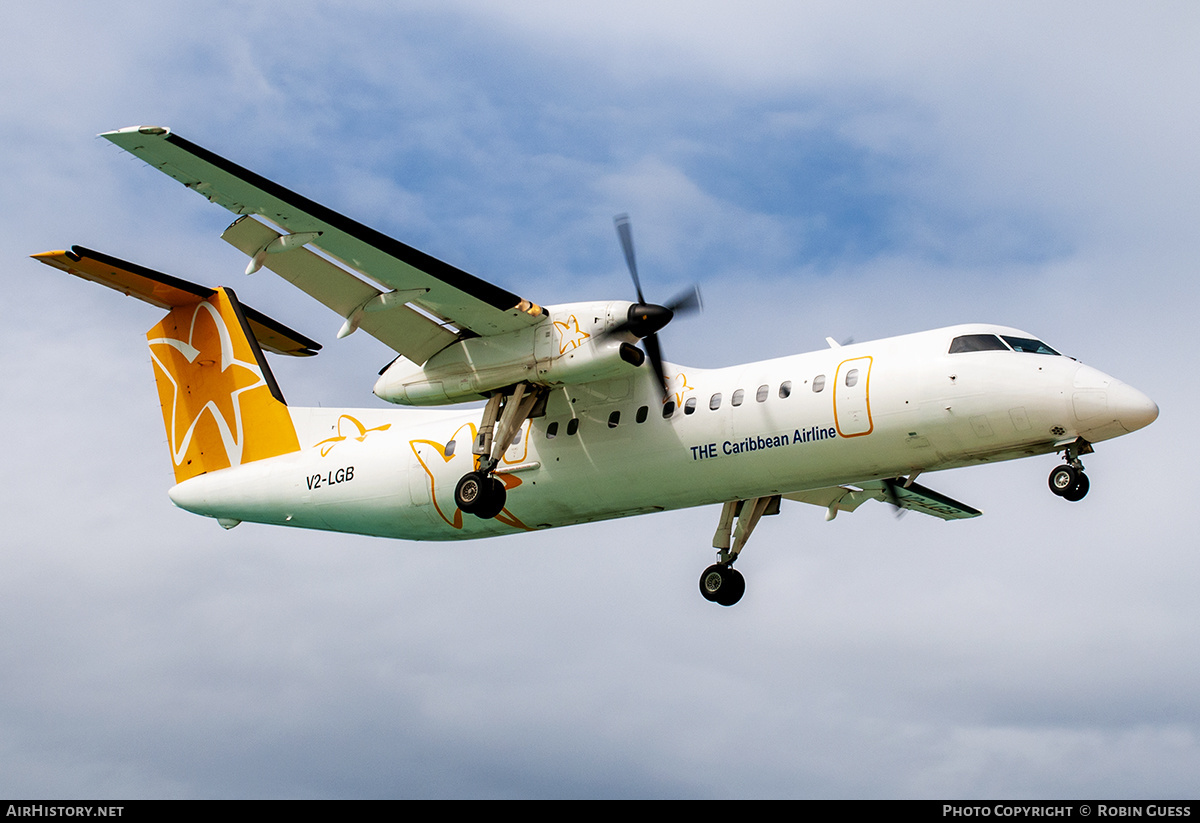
x,y
991,342
977,342
1028,344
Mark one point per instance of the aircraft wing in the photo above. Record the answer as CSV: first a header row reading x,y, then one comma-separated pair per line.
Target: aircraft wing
x,y
407,276
167,292
384,315
913,497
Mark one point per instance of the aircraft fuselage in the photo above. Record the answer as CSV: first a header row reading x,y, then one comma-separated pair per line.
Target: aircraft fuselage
x,y
844,415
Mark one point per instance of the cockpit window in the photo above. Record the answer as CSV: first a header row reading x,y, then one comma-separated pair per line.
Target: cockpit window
x,y
1028,344
977,342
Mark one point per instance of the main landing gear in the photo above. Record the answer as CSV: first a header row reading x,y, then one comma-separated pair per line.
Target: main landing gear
x,y
1069,482
480,492
721,582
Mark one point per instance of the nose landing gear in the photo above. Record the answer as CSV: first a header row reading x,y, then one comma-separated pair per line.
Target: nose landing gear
x,y
1069,482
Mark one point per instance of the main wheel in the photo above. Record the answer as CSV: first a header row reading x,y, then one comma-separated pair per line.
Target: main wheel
x,y
1063,479
493,500
711,581
722,584
1079,490
735,587
470,491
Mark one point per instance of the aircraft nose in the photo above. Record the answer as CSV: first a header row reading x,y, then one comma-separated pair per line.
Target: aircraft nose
x,y
1132,409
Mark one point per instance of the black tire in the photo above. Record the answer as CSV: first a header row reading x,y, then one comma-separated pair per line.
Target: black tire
x,y
735,587
1063,479
722,584
493,501
711,581
1079,490
470,492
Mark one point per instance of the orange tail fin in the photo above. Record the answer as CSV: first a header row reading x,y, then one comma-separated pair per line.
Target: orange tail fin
x,y
220,402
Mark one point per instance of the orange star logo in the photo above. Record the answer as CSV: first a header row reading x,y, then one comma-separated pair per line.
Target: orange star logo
x,y
352,425
570,336
436,457
677,386
208,380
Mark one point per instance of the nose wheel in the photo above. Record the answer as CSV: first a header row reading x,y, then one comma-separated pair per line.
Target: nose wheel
x,y
1069,483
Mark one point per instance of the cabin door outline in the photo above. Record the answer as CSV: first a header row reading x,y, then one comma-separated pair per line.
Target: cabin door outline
x,y
852,404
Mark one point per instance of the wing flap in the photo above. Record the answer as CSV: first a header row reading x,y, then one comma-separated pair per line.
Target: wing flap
x,y
168,292
467,301
405,330
918,498
913,497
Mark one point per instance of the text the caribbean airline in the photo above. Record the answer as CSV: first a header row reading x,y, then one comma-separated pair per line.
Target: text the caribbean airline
x,y
580,424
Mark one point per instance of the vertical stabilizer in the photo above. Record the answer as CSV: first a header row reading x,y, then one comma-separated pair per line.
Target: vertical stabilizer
x,y
220,402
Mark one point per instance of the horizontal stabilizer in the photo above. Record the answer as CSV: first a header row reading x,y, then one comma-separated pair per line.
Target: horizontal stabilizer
x,y
167,292
913,497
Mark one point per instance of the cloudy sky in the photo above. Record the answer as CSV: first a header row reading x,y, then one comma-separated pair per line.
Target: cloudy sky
x,y
844,169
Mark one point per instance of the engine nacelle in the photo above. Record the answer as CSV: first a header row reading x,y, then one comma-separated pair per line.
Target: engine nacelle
x,y
568,346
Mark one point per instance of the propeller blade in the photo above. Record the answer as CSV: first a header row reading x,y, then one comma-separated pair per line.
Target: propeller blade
x,y
646,319
686,302
626,234
893,497
654,353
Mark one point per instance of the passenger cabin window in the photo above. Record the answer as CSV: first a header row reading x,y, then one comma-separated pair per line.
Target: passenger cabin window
x,y
572,425
614,419
976,342
761,397
690,406
714,402
736,400
852,378
818,383
785,389
641,413
1027,344
668,408
552,430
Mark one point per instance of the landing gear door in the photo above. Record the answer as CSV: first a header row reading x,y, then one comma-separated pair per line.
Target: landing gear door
x,y
852,398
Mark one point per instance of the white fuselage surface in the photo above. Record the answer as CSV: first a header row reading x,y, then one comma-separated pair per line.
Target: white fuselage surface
x,y
882,409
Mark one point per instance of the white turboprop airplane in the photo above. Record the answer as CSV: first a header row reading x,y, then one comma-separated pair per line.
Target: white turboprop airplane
x,y
577,426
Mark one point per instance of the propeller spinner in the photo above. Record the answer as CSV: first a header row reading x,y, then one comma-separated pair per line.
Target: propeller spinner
x,y
645,320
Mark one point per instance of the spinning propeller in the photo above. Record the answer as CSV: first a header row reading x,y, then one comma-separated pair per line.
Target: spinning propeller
x,y
891,488
645,320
